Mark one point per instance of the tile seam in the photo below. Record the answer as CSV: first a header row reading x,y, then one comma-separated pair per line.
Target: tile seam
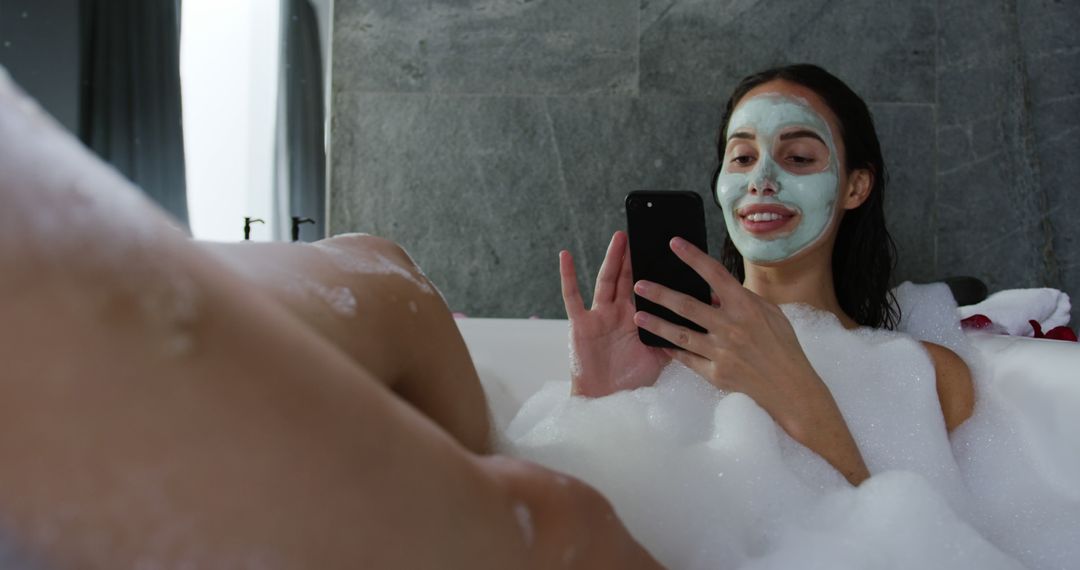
x,y
1030,159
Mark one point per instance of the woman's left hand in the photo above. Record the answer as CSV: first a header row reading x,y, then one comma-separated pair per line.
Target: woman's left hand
x,y
750,347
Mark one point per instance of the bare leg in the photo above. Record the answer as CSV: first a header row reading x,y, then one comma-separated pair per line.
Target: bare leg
x,y
366,296
155,409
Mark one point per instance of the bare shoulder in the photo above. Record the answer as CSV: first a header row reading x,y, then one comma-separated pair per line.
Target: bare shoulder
x,y
955,389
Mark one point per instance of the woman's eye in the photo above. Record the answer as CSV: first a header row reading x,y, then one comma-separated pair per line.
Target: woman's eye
x,y
801,160
743,160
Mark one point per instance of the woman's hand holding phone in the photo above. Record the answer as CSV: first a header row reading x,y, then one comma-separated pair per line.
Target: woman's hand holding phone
x,y
749,346
606,354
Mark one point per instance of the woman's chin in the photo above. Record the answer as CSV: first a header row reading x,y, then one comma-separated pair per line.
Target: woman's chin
x,y
814,248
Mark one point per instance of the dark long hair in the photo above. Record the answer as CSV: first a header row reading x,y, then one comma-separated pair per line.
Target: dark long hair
x,y
864,256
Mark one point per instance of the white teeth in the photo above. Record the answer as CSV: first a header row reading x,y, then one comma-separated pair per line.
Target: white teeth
x,y
764,217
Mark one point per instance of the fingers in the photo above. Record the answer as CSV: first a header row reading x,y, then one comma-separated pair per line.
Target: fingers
x,y
682,304
570,293
712,271
698,364
606,281
625,285
681,337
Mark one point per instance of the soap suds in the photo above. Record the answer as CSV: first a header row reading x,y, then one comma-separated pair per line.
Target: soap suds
x,y
708,480
575,360
340,299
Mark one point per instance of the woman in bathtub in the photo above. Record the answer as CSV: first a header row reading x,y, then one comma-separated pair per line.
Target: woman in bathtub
x,y
801,183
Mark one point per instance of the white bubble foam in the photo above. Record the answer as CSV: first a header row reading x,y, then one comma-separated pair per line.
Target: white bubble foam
x,y
340,300
708,480
575,360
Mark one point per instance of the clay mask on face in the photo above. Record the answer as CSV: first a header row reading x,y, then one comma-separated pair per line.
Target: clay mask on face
x,y
812,195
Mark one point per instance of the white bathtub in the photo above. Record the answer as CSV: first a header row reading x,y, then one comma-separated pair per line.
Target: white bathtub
x,y
515,357
1014,505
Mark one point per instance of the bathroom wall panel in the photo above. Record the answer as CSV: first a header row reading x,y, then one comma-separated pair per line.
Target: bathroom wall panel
x,y
498,185
906,132
703,47
458,182
1060,168
487,46
988,229
976,57
542,103
989,87
611,147
1052,61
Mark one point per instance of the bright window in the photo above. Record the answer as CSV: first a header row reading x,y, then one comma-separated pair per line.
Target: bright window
x,y
229,52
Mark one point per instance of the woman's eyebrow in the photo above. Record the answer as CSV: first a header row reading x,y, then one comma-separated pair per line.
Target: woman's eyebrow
x,y
742,135
800,134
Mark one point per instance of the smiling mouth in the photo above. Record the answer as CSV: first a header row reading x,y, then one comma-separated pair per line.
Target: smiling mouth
x,y
763,219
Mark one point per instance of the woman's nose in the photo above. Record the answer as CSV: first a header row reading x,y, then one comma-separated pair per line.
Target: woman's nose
x,y
764,186
763,180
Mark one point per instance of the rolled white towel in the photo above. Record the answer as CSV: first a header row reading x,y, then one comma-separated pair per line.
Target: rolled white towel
x,y
1013,308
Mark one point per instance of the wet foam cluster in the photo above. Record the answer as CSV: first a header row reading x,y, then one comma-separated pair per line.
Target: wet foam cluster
x,y
708,480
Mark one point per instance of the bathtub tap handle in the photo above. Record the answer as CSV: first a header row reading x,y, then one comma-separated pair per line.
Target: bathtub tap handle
x,y
296,221
247,226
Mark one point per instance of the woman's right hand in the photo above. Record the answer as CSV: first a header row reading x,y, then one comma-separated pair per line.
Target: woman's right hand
x,y
606,354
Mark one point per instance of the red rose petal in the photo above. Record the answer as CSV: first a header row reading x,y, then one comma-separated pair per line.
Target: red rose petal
x,y
1056,333
1037,328
1061,333
976,322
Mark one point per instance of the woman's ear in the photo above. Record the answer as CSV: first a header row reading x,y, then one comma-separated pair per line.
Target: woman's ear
x,y
858,188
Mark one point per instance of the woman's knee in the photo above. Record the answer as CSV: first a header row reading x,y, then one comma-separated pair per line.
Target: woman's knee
x,y
367,245
564,522
368,254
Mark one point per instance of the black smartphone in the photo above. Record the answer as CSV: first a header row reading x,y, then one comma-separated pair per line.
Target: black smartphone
x,y
653,217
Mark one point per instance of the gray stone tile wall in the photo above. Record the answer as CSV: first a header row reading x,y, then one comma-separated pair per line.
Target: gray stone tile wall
x,y
485,135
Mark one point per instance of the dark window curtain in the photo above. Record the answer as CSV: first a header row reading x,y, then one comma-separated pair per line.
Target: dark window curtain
x,y
302,176
130,102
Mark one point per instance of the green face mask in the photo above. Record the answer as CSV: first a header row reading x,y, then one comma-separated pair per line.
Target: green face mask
x,y
812,196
